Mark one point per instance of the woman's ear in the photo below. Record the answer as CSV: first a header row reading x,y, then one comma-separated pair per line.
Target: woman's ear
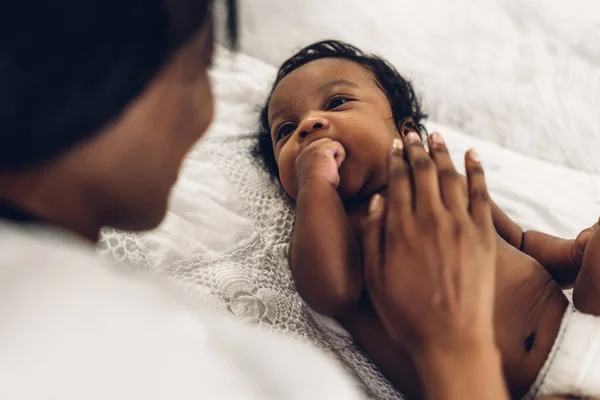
x,y
409,125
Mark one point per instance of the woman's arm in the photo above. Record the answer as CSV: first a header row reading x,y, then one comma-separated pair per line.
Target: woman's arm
x,y
324,254
471,373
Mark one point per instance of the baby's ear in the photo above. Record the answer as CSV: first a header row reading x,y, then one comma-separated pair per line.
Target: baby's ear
x,y
409,125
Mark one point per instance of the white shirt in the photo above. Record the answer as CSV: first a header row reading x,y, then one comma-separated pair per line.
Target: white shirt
x,y
72,327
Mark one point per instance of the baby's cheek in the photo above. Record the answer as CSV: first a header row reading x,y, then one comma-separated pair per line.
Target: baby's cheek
x,y
287,172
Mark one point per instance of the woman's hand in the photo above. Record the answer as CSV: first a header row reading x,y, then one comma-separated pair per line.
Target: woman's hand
x,y
437,268
429,258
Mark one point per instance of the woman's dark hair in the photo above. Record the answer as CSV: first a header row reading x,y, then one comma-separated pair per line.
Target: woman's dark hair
x,y
68,67
400,93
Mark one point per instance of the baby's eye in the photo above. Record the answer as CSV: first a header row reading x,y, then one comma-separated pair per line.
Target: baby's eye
x,y
285,130
337,101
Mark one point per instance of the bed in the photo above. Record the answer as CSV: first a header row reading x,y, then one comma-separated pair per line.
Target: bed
x,y
517,80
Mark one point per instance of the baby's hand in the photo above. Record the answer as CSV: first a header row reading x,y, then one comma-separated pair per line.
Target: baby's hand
x,y
586,294
321,161
562,258
580,243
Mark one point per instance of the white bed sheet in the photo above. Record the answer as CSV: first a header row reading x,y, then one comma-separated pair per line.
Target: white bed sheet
x,y
206,215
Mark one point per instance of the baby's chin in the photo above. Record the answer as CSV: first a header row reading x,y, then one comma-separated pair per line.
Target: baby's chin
x,y
353,186
359,186
348,193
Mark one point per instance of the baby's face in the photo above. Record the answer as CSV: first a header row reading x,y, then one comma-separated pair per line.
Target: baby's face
x,y
340,100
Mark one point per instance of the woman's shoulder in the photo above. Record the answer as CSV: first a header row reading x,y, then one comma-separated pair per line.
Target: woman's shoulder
x,y
71,322
20,243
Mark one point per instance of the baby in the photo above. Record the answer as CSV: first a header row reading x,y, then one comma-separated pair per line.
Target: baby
x,y
326,131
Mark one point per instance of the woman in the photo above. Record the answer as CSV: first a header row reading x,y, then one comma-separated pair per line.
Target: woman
x,y
95,125
100,100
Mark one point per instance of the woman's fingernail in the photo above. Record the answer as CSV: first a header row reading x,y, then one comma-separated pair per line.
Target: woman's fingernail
x,y
437,139
413,137
473,155
397,144
374,203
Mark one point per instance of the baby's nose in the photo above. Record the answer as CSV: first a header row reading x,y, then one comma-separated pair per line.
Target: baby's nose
x,y
313,124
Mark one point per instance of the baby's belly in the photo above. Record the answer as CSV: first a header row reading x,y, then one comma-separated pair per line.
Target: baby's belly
x,y
529,308
528,312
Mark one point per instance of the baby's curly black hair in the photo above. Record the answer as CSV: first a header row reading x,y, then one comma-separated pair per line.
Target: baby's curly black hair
x,y
400,93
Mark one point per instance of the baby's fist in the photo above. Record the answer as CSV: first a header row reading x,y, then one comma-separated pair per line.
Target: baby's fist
x,y
581,242
320,160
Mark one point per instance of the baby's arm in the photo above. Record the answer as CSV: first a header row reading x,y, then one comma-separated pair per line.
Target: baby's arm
x,y
557,255
586,294
324,255
562,258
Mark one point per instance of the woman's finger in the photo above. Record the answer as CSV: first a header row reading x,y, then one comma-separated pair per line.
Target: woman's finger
x,y
479,199
451,184
427,191
371,242
400,199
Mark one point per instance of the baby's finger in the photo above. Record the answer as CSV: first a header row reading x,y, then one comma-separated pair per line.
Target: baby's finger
x,y
371,243
578,248
479,199
339,153
424,172
451,185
